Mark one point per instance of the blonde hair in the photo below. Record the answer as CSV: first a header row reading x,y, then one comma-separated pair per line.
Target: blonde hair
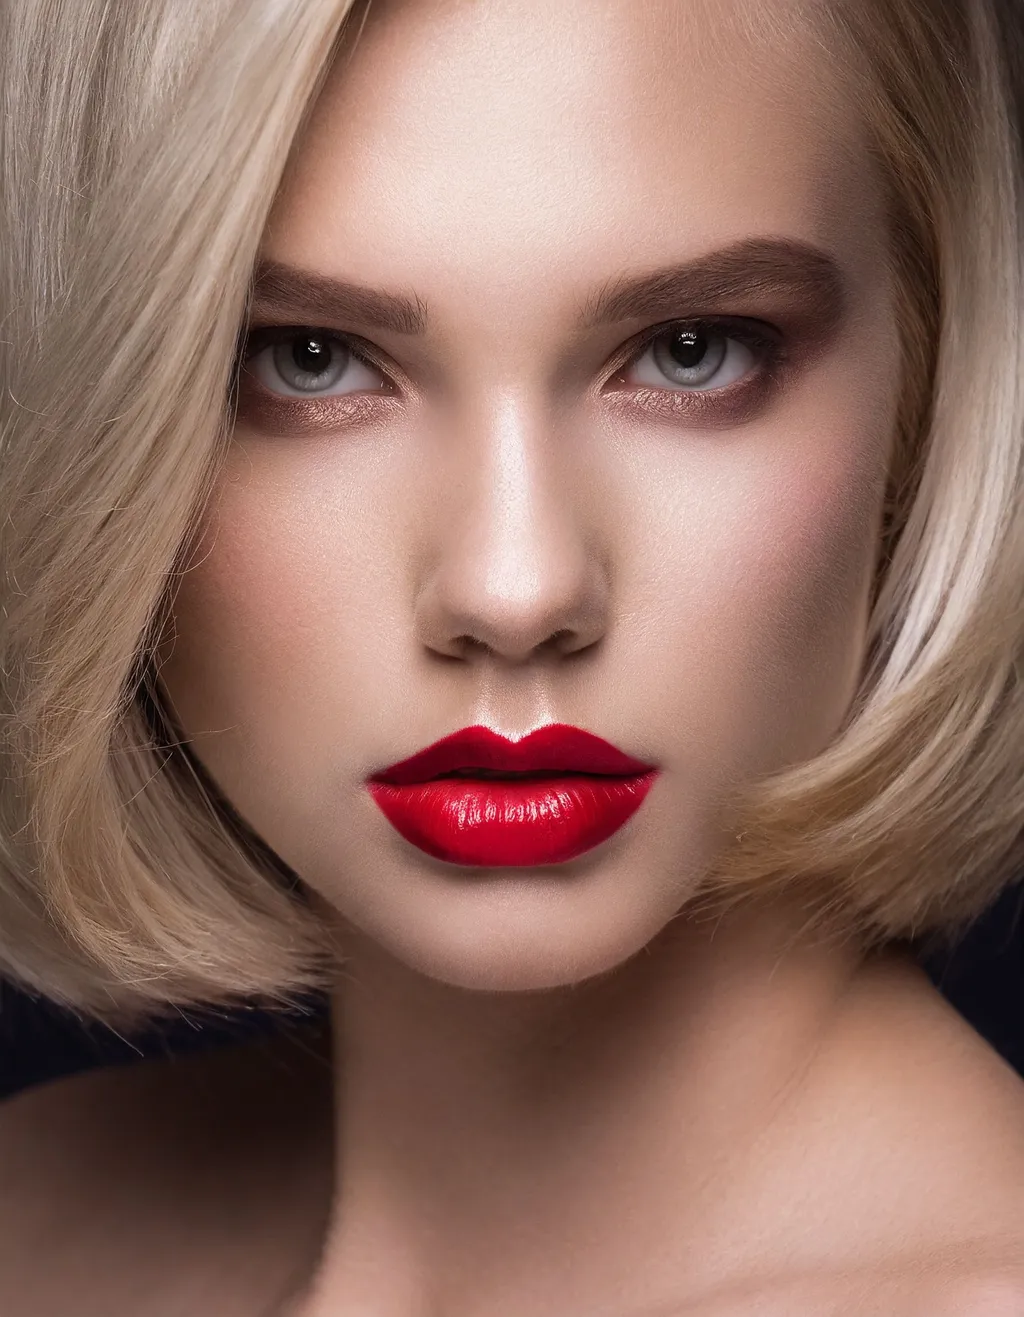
x,y
142,144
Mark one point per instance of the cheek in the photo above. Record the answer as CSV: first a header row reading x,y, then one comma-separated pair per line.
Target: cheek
x,y
291,631
769,600
812,578
265,601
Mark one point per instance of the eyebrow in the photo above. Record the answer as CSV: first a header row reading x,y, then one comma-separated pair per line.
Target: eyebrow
x,y
765,269
761,268
288,290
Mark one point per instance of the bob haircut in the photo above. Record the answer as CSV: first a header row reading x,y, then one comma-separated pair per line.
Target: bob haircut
x,y
141,146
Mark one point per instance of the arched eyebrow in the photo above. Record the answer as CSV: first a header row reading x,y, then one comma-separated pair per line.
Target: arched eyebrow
x,y
319,299
765,270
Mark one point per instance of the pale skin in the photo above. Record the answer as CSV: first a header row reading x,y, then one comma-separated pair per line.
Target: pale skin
x,y
555,1092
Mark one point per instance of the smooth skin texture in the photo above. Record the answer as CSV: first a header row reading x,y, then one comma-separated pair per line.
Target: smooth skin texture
x,y
554,1092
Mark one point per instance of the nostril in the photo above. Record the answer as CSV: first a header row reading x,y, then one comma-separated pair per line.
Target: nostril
x,y
556,639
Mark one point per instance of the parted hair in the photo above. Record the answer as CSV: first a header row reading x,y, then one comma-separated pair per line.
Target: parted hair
x,y
142,143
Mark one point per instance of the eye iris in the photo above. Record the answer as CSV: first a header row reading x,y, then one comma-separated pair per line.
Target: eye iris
x,y
689,355
309,362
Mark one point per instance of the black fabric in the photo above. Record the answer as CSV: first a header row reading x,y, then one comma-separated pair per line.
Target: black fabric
x,y
983,978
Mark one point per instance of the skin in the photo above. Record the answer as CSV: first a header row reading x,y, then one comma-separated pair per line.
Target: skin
x,y
555,1091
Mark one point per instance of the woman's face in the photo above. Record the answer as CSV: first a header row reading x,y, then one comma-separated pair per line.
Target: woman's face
x,y
507,501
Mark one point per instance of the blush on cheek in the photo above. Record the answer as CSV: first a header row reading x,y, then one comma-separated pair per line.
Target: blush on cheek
x,y
813,577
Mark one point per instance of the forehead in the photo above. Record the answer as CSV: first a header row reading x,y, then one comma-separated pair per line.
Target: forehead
x,y
478,136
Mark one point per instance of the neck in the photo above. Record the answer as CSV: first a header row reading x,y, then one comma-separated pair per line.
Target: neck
x,y
484,1140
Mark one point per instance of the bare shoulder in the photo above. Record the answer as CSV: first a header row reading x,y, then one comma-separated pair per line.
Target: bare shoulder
x,y
913,1202
939,1113
132,1190
917,1288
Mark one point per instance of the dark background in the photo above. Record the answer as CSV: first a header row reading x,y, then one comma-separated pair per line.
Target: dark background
x,y
983,978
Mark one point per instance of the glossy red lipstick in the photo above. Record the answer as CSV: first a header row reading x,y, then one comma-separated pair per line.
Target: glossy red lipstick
x,y
479,799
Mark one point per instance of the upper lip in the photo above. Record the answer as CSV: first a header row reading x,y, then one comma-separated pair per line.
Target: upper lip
x,y
555,747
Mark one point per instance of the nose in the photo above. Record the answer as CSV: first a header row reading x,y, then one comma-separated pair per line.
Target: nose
x,y
514,573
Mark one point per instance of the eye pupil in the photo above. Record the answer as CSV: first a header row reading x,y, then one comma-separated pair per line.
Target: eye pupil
x,y
688,348
311,355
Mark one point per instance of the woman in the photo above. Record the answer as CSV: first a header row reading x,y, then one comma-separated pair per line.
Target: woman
x,y
513,512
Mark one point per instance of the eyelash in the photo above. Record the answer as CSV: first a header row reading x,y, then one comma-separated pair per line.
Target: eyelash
x,y
710,405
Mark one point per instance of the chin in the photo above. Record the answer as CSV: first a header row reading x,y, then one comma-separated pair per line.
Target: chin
x,y
520,934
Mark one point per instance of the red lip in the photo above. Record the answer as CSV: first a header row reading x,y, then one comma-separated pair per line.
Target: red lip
x,y
556,747
583,790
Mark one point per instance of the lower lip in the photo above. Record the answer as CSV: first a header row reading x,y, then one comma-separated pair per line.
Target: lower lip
x,y
500,823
